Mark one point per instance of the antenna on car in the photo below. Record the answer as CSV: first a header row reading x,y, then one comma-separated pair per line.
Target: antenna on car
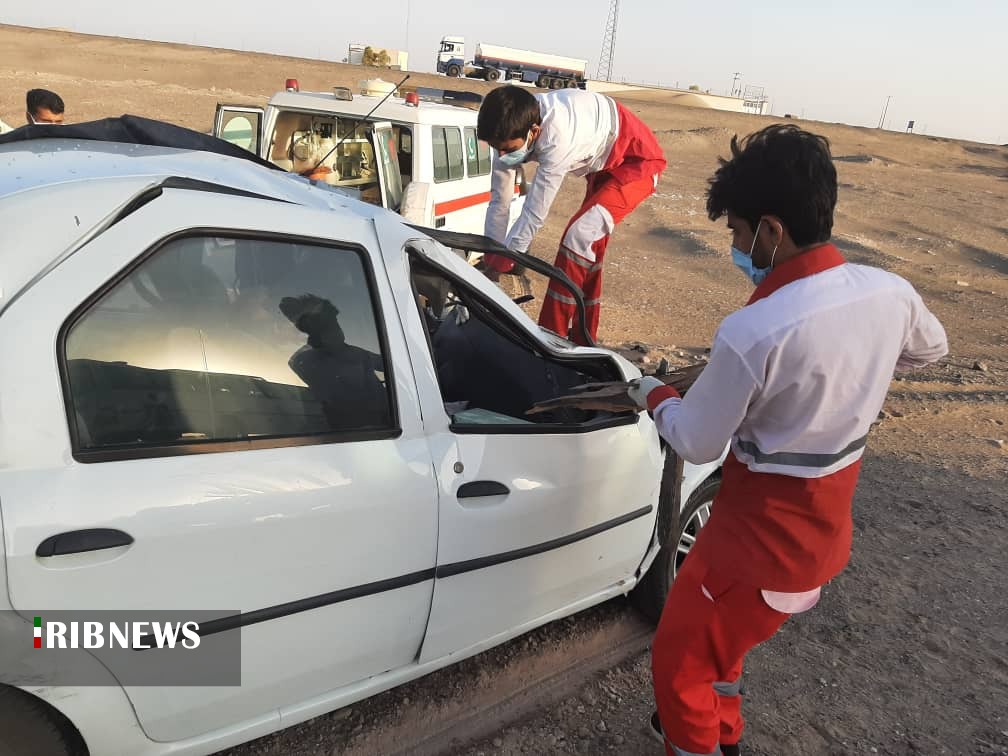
x,y
358,122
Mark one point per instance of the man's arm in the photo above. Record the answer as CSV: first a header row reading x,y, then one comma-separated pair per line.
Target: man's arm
x,y
502,181
553,166
700,425
926,341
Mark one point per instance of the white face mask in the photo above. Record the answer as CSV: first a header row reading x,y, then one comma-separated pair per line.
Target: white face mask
x,y
33,122
515,157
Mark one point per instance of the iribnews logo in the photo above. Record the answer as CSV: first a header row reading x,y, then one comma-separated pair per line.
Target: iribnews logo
x,y
127,635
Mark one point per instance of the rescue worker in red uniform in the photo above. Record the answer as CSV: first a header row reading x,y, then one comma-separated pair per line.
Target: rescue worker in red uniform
x,y
566,131
794,382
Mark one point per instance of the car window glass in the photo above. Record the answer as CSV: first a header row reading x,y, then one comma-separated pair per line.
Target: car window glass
x,y
477,153
386,152
223,339
485,159
439,147
456,164
239,129
488,376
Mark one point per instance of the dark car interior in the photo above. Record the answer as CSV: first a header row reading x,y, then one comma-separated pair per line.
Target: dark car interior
x,y
489,370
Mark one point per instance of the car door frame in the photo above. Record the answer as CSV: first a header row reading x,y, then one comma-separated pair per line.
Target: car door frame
x,y
376,128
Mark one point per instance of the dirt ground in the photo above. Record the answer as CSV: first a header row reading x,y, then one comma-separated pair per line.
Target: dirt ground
x,y
908,651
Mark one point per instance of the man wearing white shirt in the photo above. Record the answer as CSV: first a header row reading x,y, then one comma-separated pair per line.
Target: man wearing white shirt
x,y
566,131
794,382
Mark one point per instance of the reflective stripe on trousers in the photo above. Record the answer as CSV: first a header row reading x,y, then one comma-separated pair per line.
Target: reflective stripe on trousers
x,y
581,254
680,752
709,624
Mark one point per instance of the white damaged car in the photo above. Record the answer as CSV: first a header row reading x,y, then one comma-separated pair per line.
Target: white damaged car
x,y
225,388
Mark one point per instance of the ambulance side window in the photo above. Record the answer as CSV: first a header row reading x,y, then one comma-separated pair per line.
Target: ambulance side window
x,y
477,154
440,149
449,164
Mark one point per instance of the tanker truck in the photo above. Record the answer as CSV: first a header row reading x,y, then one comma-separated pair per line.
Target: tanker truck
x,y
497,63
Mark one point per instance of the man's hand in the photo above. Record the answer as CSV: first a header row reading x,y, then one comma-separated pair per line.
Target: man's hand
x,y
640,388
483,267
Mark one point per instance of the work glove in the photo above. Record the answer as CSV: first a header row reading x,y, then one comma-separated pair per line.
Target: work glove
x,y
486,270
640,388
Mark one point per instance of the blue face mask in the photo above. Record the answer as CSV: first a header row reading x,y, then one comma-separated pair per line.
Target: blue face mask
x,y
744,262
511,159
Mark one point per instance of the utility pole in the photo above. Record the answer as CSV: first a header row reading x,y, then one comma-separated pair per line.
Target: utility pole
x,y
608,43
737,74
884,109
407,25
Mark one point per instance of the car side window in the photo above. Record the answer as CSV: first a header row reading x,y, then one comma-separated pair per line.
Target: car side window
x,y
217,339
439,147
489,376
477,154
449,158
456,163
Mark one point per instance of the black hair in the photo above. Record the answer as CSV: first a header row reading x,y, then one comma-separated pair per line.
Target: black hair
x,y
781,170
43,98
507,113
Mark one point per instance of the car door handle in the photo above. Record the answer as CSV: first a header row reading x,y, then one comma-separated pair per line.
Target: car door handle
x,y
482,488
78,541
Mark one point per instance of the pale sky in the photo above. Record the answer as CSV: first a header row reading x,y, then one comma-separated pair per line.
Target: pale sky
x,y
944,63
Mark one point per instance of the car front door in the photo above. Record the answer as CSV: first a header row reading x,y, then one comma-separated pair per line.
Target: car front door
x,y
227,392
535,519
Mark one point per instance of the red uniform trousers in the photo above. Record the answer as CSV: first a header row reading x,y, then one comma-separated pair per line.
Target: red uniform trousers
x,y
583,246
709,623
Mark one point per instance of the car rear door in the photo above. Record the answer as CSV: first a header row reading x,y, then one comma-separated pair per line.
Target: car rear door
x,y
222,386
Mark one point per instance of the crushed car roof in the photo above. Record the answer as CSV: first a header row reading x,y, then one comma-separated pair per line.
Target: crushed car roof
x,y
130,129
55,192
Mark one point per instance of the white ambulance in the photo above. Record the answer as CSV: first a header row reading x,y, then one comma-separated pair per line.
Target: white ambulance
x,y
416,154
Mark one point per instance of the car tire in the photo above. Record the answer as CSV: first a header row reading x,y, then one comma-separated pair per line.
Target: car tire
x,y
29,727
454,71
677,537
556,83
543,82
492,74
572,84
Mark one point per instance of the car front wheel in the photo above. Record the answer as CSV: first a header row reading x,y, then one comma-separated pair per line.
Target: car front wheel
x,y
29,727
677,536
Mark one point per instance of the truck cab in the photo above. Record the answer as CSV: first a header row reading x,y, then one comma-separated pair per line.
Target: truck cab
x,y
451,57
417,155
